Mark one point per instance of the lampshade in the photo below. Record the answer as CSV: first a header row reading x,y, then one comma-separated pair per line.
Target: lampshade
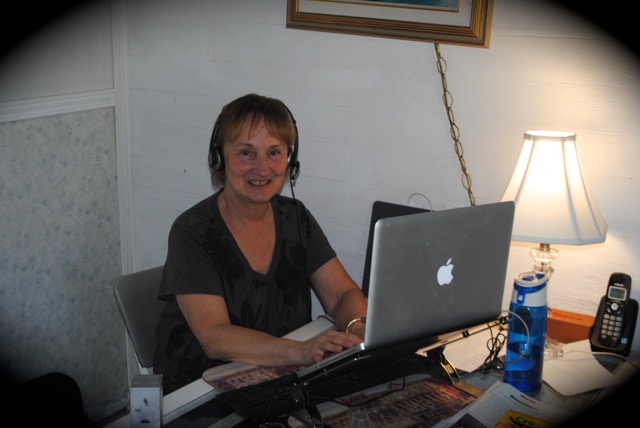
x,y
553,203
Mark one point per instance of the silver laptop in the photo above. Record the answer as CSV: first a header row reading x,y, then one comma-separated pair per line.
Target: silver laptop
x,y
432,273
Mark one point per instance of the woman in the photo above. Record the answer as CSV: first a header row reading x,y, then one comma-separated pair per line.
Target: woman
x,y
241,264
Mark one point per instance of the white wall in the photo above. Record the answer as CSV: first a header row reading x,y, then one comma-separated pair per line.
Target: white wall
x,y
372,124
69,53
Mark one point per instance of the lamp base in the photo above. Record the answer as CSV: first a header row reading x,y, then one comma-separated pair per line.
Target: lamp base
x,y
543,256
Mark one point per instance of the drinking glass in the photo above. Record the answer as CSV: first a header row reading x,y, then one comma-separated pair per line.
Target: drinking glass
x,y
359,420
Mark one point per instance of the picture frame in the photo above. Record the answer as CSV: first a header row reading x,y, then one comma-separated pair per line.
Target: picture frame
x,y
458,22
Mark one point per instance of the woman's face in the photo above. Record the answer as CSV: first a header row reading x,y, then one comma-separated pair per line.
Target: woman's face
x,y
255,165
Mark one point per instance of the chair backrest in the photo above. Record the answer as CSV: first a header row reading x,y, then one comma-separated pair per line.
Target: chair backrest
x,y
137,298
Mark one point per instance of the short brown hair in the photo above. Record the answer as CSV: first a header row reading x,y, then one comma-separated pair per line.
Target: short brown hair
x,y
251,110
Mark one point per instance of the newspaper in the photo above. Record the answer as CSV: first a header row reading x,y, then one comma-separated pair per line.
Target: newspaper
x,y
417,401
500,401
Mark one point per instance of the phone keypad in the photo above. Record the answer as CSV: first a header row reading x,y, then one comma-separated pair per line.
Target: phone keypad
x,y
611,329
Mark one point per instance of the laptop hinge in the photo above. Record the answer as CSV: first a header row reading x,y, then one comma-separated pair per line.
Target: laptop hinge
x,y
441,367
305,411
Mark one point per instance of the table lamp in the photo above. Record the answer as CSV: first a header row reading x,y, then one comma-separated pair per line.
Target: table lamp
x,y
552,202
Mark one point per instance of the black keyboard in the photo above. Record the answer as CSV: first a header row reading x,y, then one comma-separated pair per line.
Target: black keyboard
x,y
282,396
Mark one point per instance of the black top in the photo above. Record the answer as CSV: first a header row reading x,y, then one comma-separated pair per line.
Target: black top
x,y
204,258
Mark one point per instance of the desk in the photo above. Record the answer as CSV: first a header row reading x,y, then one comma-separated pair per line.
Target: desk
x,y
209,414
193,406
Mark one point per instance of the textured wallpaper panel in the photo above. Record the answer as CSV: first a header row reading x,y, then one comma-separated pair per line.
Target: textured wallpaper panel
x,y
60,253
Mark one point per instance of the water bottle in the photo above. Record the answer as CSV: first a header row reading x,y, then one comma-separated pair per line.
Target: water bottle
x,y
527,332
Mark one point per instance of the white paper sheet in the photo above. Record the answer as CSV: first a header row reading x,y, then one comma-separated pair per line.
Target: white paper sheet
x,y
577,370
487,410
470,353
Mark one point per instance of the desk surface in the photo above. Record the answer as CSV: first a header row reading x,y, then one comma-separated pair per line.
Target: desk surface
x,y
193,406
208,413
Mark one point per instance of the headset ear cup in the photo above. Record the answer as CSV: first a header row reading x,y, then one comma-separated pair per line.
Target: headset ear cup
x,y
294,171
293,164
216,159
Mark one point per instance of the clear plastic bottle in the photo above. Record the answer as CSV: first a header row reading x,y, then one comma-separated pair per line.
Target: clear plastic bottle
x,y
527,332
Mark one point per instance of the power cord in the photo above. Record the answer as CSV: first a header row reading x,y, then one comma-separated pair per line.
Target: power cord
x,y
497,342
495,345
561,353
524,348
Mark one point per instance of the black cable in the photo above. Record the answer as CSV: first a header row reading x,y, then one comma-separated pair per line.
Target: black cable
x,y
295,206
494,345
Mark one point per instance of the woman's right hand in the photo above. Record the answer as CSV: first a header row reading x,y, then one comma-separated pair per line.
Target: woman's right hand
x,y
327,344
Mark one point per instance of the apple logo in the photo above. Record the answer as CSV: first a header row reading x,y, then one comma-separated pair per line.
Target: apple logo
x,y
445,273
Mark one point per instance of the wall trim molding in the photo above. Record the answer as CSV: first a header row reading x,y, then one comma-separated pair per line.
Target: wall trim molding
x,y
123,141
50,106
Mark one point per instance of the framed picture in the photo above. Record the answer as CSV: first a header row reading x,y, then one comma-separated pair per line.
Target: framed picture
x,y
460,22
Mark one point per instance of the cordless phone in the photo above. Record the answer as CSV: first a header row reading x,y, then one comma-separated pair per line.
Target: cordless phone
x,y
615,321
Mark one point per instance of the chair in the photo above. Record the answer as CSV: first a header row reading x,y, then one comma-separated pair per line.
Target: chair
x,y
137,298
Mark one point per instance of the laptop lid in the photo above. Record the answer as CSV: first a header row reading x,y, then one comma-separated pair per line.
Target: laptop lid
x,y
379,210
407,305
437,272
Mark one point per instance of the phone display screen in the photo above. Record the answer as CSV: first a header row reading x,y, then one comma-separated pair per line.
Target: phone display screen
x,y
617,293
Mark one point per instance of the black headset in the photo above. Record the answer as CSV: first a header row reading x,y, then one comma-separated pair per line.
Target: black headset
x,y
216,159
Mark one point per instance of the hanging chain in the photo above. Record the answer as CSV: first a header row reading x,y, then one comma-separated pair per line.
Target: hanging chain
x,y
447,99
